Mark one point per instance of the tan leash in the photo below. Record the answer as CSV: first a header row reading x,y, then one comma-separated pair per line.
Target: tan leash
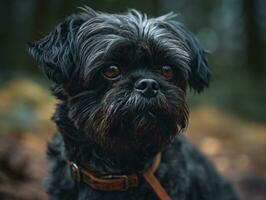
x,y
120,182
154,183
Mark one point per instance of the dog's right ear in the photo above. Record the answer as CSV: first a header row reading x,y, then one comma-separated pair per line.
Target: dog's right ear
x,y
53,53
56,53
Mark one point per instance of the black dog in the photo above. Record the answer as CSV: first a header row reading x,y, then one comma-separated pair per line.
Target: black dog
x,y
121,81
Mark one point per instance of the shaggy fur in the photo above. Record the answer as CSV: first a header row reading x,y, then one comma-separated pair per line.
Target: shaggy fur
x,y
110,125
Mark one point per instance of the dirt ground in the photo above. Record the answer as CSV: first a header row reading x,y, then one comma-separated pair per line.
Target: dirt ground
x,y
236,146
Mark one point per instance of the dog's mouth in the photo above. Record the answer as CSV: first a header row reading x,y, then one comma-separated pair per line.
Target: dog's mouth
x,y
124,119
142,121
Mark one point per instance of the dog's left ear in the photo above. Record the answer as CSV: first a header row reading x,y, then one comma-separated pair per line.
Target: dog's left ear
x,y
55,52
199,69
199,74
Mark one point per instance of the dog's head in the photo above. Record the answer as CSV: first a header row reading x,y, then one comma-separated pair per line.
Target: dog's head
x,y
123,77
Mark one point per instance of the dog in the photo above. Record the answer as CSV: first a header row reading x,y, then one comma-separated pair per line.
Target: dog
x,y
121,81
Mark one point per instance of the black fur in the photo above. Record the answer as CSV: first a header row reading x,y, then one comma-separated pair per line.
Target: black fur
x,y
110,127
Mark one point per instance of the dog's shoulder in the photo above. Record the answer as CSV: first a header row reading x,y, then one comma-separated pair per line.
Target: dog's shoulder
x,y
59,182
191,171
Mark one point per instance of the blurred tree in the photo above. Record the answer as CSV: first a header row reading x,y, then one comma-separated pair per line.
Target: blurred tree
x,y
255,55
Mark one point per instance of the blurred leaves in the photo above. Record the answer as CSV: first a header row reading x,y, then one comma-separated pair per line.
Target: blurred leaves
x,y
236,145
25,105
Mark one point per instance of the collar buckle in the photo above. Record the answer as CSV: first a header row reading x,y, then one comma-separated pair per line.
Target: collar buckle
x,y
124,177
75,171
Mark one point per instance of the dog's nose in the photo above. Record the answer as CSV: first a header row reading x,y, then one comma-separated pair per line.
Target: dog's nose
x,y
147,87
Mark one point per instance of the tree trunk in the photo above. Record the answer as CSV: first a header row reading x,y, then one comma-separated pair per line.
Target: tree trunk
x,y
254,42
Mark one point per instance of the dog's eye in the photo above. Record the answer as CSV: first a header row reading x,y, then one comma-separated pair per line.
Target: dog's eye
x,y
167,72
111,72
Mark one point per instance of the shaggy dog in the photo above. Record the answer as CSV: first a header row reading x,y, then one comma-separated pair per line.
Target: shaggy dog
x,y
121,82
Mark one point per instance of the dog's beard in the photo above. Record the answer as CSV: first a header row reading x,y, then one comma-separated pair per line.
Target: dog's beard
x,y
123,120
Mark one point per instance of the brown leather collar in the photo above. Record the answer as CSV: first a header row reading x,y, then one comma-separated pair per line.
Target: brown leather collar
x,y
120,182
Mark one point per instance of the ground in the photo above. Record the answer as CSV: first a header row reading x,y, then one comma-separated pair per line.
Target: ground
x,y
235,145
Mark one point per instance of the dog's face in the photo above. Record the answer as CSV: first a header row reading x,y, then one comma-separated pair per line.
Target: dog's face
x,y
124,77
